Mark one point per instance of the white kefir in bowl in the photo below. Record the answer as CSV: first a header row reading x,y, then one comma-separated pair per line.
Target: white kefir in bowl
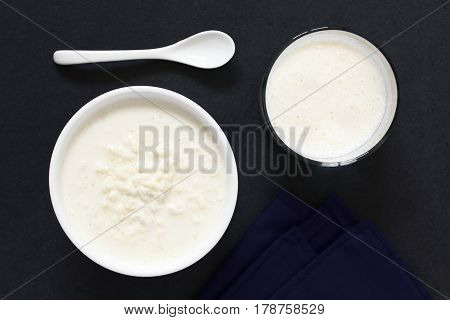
x,y
331,96
144,186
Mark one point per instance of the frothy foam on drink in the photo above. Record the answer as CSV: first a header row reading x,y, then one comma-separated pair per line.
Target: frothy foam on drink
x,y
325,97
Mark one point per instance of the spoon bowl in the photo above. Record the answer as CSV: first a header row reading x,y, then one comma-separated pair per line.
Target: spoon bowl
x,y
207,50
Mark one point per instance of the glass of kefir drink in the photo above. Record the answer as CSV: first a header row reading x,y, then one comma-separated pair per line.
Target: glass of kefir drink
x,y
330,97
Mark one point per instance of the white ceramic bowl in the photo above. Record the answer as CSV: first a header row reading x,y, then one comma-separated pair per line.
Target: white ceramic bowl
x,y
177,101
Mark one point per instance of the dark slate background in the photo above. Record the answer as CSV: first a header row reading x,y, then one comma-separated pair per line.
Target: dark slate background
x,y
404,187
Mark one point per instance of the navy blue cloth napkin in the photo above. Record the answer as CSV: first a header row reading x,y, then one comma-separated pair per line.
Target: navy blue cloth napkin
x,y
293,252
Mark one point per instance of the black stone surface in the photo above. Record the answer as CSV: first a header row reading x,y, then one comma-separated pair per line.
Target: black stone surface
x,y
404,187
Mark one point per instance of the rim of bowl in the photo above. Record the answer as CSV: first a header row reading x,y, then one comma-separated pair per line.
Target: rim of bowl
x,y
268,123
193,110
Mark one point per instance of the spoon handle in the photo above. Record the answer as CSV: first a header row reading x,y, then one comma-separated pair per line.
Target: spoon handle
x,y
66,57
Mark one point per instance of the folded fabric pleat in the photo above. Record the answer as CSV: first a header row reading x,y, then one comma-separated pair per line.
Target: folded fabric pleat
x,y
273,268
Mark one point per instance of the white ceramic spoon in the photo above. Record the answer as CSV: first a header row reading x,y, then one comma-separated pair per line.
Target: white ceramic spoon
x,y
207,50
